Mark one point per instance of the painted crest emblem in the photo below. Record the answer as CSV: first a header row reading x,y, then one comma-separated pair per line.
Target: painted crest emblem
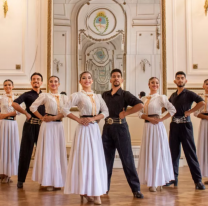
x,y
100,54
101,22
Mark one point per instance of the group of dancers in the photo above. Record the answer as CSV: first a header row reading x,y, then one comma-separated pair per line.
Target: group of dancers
x,y
92,156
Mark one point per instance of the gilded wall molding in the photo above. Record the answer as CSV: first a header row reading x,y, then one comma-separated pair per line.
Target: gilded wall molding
x,y
164,60
49,42
120,32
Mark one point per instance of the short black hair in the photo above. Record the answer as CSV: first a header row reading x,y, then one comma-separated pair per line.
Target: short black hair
x,y
63,93
36,73
55,77
8,80
142,94
180,73
116,70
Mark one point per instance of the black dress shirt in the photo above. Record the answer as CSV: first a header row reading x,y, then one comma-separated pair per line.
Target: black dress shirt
x,y
184,101
121,99
28,98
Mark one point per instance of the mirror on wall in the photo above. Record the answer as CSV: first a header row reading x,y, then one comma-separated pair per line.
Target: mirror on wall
x,y
98,37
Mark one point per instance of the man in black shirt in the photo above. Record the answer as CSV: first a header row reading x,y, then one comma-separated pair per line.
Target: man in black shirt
x,y
181,130
31,126
116,133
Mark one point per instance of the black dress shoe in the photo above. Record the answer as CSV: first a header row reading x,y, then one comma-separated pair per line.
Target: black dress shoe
x,y
200,186
20,185
172,182
138,194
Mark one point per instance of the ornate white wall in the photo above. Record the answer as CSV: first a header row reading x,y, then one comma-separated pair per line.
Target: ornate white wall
x,y
23,41
142,19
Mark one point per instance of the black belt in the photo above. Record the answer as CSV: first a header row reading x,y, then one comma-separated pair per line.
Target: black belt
x,y
53,116
33,120
152,115
10,118
110,120
86,116
181,119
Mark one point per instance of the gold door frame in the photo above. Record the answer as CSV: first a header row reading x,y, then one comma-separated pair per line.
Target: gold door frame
x,y
163,52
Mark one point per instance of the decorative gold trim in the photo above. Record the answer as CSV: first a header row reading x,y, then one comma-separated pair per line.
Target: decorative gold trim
x,y
6,8
99,33
206,7
23,89
74,109
189,88
82,31
49,41
164,60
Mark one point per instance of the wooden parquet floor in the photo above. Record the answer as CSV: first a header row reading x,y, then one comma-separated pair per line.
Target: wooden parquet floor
x,y
120,194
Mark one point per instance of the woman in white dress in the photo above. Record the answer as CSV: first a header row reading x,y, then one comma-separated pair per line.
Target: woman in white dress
x,y
202,146
50,162
9,135
155,164
87,172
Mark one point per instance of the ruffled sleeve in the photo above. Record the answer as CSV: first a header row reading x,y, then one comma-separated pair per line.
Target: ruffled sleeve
x,y
103,107
199,111
165,103
140,113
39,101
72,101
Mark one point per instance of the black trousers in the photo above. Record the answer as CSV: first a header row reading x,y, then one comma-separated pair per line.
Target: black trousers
x,y
29,137
183,134
114,137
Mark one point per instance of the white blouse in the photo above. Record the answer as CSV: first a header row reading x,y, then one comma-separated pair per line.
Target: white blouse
x,y
6,105
156,103
49,100
84,104
203,109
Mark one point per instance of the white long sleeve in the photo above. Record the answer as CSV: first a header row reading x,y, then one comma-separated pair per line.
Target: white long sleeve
x,y
157,102
203,109
82,101
39,101
50,103
169,106
4,105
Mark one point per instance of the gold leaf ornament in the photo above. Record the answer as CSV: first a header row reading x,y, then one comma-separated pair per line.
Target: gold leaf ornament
x,y
6,8
206,7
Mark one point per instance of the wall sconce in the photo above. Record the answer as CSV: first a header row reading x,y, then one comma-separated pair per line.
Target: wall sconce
x,y
206,7
143,63
58,64
6,8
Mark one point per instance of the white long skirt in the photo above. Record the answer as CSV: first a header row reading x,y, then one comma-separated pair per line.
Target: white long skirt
x,y
155,162
9,147
202,147
87,172
50,162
